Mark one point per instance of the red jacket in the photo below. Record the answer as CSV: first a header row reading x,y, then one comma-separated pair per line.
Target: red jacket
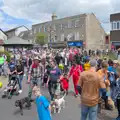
x,y
64,83
75,71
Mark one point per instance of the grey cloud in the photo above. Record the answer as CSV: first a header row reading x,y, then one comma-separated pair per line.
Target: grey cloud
x,y
41,10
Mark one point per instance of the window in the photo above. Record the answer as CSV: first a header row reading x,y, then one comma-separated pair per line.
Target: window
x,y
55,38
39,29
61,26
115,25
62,37
54,27
112,25
34,31
77,22
44,29
118,25
77,35
73,23
69,24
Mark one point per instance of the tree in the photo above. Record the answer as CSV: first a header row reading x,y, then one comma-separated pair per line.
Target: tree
x,y
41,38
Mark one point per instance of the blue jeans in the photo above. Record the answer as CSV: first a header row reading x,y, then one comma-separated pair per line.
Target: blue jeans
x,y
90,112
20,78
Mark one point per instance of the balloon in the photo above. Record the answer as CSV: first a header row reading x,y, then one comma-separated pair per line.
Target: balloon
x,y
1,84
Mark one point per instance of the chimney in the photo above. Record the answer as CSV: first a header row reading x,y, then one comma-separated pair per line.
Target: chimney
x,y
54,16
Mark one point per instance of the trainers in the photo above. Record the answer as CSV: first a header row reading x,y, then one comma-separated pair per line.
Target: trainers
x,y
76,95
20,91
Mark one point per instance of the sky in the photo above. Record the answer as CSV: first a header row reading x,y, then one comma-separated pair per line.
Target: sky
x,y
14,13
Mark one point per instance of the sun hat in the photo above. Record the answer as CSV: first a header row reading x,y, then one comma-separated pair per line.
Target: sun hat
x,y
37,58
115,61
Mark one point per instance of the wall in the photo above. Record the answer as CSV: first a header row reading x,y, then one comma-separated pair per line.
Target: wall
x,y
95,34
3,36
114,17
115,36
10,34
60,27
19,30
15,32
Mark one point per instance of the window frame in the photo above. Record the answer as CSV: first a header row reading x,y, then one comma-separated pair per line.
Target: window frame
x,y
62,37
69,24
76,24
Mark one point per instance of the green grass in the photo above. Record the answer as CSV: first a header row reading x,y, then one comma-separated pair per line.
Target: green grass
x,y
111,56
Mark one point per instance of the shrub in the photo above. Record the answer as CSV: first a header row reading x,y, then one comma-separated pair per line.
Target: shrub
x,y
7,55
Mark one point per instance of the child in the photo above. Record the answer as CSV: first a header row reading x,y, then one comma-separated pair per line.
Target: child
x,y
65,83
86,65
43,106
5,68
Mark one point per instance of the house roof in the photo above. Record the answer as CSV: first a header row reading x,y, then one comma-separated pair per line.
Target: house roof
x,y
82,15
17,41
3,31
16,28
26,35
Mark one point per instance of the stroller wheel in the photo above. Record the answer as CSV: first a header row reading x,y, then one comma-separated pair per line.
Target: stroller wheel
x,y
9,96
17,93
3,96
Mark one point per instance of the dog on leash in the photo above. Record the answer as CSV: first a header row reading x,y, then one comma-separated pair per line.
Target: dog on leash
x,y
23,102
53,107
59,104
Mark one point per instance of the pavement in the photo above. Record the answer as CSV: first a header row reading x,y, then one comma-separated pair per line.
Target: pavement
x,y
8,111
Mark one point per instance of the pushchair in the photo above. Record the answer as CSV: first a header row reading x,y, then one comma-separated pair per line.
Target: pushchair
x,y
11,88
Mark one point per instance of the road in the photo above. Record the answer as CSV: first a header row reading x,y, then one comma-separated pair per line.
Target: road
x,y
8,111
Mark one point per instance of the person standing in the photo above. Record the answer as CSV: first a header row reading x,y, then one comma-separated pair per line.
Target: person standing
x,y
112,67
88,86
75,73
58,59
35,73
116,96
5,68
20,73
2,60
66,64
112,75
54,78
104,75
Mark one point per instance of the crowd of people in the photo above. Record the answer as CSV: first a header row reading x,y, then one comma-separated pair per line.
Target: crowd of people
x,y
94,79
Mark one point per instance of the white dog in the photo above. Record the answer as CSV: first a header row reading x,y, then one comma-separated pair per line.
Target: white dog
x,y
60,103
